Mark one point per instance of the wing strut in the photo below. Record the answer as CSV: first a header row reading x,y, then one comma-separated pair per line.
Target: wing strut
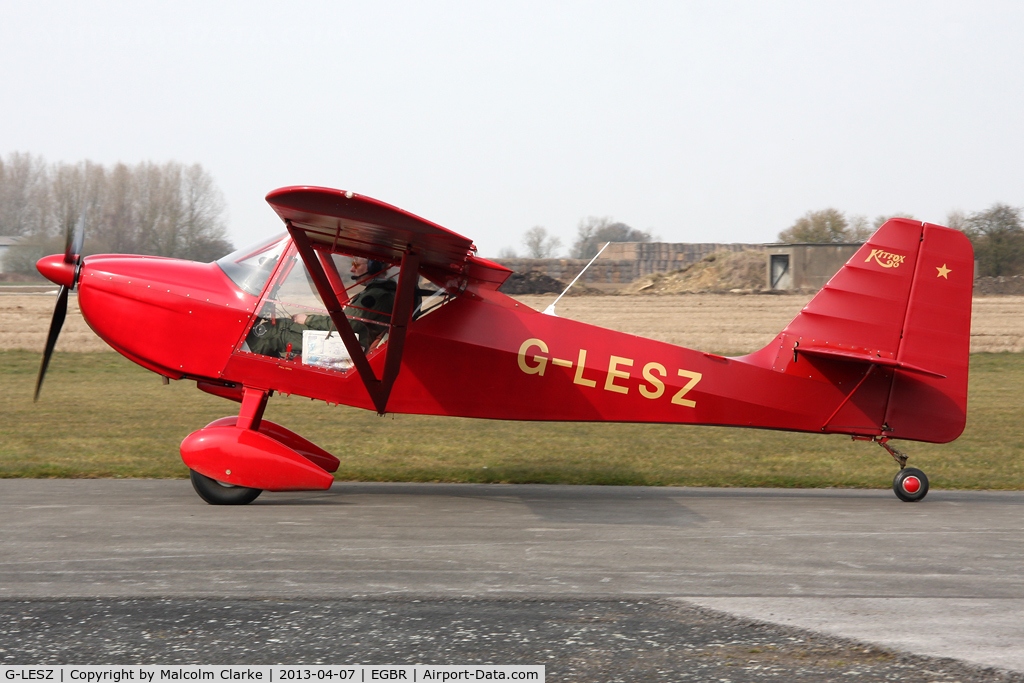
x,y
327,284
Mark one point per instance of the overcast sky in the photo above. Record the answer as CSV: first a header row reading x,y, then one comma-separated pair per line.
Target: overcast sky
x,y
699,121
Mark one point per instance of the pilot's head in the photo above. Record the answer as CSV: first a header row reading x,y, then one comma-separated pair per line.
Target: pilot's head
x,y
362,267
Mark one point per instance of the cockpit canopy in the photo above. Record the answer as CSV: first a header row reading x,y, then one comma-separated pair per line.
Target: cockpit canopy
x,y
250,267
291,310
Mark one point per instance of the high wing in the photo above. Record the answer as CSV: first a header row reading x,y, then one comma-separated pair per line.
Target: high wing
x,y
329,221
339,221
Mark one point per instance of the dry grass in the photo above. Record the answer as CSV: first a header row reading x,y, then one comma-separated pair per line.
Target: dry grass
x,y
736,323
26,320
997,324
721,323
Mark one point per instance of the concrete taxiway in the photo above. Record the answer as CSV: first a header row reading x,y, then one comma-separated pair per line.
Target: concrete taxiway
x,y
939,578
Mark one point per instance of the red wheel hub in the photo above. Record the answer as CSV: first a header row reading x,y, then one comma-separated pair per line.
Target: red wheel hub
x,y
911,484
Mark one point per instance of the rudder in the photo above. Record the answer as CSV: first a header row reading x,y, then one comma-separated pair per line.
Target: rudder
x,y
936,336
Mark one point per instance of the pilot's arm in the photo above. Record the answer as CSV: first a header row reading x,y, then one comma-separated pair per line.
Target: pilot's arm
x,y
270,337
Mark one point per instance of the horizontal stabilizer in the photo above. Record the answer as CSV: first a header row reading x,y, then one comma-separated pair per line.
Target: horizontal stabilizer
x,y
865,358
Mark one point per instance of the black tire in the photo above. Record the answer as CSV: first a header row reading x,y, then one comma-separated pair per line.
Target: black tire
x,y
217,493
910,485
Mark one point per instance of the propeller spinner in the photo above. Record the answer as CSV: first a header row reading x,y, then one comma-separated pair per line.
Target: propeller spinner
x,y
64,272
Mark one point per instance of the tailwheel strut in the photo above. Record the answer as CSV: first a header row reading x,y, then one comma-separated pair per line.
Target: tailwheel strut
x,y
899,456
910,484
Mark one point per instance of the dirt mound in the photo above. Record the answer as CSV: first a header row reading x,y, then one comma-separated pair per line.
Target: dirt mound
x,y
722,271
531,283
1013,284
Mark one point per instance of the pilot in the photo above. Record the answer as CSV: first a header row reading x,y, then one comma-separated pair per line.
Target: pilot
x,y
271,337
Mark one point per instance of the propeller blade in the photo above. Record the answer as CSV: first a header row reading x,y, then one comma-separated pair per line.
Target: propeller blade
x,y
60,312
74,241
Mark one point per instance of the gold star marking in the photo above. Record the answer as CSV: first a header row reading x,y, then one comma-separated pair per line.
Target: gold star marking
x,y
943,271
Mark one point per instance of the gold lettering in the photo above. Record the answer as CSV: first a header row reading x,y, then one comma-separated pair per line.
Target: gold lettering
x,y
678,398
541,361
659,386
580,366
613,364
885,259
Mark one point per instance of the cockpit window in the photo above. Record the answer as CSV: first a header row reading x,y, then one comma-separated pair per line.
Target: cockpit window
x,y
250,267
293,323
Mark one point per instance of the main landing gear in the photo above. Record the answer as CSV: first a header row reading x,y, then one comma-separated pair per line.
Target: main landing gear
x,y
234,459
910,484
219,493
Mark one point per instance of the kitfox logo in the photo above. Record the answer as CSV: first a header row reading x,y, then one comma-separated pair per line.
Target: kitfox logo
x,y
886,259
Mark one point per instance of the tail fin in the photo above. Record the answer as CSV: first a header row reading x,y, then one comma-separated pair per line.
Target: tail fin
x,y
902,308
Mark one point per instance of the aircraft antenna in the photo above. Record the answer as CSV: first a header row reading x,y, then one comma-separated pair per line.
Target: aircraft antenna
x,y
550,310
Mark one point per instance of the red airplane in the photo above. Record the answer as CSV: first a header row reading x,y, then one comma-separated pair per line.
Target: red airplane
x,y
881,352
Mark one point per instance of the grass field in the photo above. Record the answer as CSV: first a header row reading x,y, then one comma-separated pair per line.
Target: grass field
x,y
102,416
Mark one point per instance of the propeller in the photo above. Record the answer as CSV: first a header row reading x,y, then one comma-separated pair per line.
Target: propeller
x,y
73,258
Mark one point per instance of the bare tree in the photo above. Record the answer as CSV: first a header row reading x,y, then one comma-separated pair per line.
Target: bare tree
x,y
539,244
203,235
998,238
827,225
830,225
858,229
76,192
880,220
113,227
592,232
158,205
24,195
163,209
957,220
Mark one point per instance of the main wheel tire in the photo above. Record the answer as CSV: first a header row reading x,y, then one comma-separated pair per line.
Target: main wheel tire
x,y
218,493
910,485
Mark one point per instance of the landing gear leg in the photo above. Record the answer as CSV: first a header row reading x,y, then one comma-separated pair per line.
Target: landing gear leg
x,y
910,484
214,491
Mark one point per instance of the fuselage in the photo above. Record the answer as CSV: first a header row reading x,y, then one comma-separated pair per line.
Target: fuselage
x,y
482,354
880,352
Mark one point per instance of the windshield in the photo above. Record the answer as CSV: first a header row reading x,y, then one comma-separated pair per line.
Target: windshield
x,y
251,266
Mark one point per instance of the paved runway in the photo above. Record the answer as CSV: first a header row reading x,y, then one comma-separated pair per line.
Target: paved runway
x,y
940,578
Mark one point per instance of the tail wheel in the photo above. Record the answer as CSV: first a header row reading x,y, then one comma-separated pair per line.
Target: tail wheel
x,y
218,493
910,485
